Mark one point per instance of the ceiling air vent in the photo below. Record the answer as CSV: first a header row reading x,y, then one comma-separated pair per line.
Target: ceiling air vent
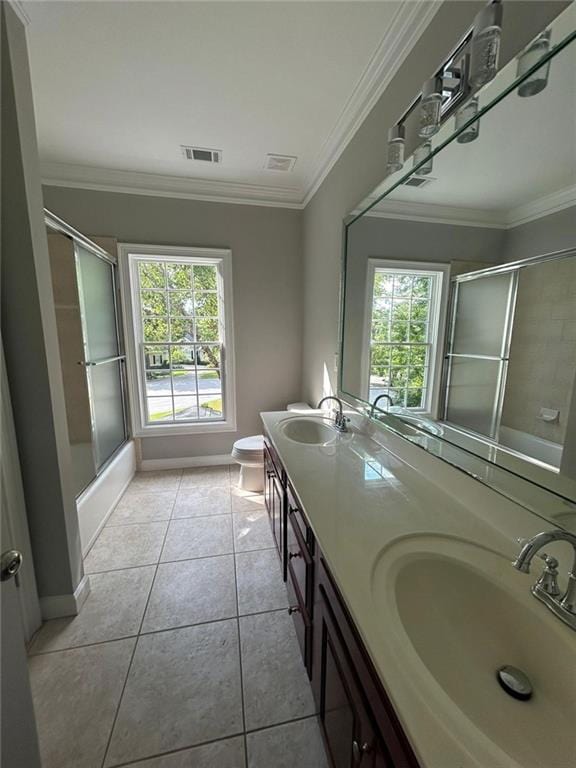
x,y
202,154
418,181
279,163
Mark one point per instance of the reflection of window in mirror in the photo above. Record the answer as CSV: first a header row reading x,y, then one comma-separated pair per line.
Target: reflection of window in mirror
x,y
403,332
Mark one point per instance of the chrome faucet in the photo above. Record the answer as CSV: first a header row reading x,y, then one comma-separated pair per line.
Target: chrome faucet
x,y
390,403
546,588
340,421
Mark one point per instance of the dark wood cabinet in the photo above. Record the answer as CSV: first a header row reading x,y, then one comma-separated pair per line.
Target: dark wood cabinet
x,y
274,492
358,723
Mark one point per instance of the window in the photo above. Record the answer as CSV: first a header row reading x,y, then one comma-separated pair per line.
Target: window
x,y
403,328
180,335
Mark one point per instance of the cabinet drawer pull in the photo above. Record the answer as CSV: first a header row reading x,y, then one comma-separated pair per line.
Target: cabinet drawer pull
x,y
358,751
294,554
294,609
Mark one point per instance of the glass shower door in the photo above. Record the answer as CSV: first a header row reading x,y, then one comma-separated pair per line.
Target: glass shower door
x,y
478,352
103,355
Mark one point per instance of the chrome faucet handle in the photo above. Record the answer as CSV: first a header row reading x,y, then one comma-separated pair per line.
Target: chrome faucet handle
x,y
568,602
548,581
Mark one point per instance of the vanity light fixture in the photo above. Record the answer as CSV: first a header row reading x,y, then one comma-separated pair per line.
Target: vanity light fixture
x,y
430,107
421,154
530,56
396,138
465,113
485,45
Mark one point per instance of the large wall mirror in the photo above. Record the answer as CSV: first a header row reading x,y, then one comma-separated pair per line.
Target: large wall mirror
x,y
459,281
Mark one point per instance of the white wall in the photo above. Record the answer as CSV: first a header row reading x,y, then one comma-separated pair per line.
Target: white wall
x,y
266,255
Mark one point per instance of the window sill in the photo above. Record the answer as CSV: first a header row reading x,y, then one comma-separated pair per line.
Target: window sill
x,y
169,430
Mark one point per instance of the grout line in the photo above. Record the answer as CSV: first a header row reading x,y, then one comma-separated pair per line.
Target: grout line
x,y
284,722
180,750
109,741
240,662
158,631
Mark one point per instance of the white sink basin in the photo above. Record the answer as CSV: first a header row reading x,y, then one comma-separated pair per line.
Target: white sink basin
x,y
309,430
459,613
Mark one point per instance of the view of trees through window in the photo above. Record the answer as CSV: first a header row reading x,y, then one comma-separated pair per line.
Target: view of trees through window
x,y
399,340
182,340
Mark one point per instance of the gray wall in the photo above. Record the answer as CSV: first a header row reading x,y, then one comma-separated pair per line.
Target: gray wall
x,y
362,166
29,334
549,233
266,254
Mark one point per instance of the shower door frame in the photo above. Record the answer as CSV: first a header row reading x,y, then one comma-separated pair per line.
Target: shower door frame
x,y
78,239
513,267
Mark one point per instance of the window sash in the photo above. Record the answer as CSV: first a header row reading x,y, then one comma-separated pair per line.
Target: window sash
x,y
434,303
139,365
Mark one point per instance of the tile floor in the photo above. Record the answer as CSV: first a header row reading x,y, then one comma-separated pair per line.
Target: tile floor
x,y
184,655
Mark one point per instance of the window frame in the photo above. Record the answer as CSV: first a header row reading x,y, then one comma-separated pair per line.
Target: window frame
x,y
129,256
437,327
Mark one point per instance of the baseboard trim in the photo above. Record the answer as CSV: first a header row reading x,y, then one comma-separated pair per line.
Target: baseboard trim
x,y
59,606
147,465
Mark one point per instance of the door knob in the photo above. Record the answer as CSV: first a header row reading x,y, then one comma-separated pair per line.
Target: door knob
x,y
10,562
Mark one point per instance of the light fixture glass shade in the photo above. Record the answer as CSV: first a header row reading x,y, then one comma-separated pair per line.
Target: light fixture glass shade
x,y
422,153
396,137
465,113
530,56
485,45
430,107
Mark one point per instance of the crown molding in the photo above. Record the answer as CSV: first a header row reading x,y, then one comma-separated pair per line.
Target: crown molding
x,y
472,217
437,214
542,206
18,8
406,27
156,185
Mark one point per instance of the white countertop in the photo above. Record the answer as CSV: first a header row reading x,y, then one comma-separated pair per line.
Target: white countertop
x,y
360,496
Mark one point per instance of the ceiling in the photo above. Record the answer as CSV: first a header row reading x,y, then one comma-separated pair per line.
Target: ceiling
x,y
119,87
523,163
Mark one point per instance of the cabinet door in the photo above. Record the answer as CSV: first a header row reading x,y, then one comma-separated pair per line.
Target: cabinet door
x,y
278,518
268,482
348,731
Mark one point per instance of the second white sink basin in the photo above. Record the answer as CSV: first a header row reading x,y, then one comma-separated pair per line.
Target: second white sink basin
x,y
309,430
461,612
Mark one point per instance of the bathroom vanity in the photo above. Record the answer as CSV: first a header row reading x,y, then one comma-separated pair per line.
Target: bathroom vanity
x,y
405,602
358,720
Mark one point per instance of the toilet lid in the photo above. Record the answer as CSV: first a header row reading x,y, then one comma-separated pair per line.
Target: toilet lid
x,y
253,444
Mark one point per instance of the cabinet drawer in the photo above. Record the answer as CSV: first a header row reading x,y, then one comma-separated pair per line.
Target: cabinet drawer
x,y
299,521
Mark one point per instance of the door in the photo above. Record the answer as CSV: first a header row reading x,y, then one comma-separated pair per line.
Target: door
x,y
20,611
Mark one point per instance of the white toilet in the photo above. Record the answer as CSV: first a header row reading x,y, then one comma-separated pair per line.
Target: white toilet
x,y
249,453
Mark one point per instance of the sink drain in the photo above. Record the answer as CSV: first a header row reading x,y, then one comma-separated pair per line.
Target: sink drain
x,y
515,682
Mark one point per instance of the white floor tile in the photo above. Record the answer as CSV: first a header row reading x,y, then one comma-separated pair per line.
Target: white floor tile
x,y
276,686
252,529
260,584
76,694
211,476
201,501
228,753
198,537
286,746
247,502
113,610
161,480
190,592
143,507
183,689
124,546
